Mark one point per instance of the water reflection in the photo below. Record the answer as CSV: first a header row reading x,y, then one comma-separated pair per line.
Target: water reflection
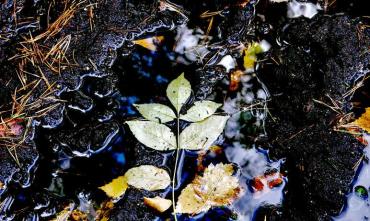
x,y
260,177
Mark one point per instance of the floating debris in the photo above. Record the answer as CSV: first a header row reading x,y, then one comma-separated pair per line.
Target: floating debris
x,y
306,9
261,177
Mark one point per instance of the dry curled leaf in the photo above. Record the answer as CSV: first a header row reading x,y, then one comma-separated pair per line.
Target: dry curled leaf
x,y
217,187
363,121
178,92
148,177
153,135
158,203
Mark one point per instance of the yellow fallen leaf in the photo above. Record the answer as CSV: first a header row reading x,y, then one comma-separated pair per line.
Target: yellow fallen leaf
x,y
364,121
116,188
250,55
217,187
150,43
158,203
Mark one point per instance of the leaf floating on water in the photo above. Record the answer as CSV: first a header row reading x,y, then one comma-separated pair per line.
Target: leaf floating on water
x,y
158,203
363,121
149,43
178,92
250,53
116,188
202,134
148,177
200,111
145,177
217,187
156,112
65,213
153,135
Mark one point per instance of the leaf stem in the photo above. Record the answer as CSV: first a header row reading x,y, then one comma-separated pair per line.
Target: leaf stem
x,y
176,163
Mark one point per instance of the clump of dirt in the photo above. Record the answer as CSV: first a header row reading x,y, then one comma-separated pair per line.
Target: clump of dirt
x,y
317,63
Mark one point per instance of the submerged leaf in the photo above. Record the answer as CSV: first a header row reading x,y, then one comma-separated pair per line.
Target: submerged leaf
x,y
158,203
217,187
153,135
148,177
364,121
116,188
200,111
202,134
156,112
178,92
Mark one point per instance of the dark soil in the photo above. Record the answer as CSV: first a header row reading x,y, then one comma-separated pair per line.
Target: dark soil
x,y
324,55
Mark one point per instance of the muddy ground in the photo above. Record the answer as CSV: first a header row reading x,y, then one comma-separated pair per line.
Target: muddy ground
x,y
310,60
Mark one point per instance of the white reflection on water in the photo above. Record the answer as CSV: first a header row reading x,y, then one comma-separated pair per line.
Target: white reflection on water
x,y
255,163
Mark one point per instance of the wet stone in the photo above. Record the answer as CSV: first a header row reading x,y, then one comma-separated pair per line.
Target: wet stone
x,y
87,139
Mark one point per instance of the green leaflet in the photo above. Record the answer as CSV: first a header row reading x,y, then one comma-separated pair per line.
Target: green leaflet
x,y
148,177
200,111
202,134
178,92
156,112
153,135
145,177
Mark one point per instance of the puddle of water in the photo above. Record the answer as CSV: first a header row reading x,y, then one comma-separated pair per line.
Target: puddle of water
x,y
65,175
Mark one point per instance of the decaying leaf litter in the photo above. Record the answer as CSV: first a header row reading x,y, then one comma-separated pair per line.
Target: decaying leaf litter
x,y
98,77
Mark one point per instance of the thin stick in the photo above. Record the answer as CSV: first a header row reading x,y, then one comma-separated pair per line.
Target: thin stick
x,y
176,162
